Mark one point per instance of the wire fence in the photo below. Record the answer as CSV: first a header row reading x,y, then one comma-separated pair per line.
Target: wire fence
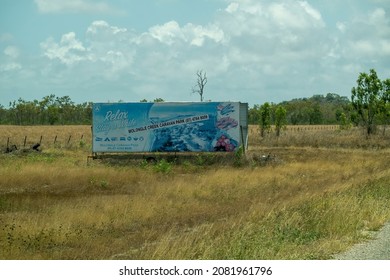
x,y
26,142
25,137
255,129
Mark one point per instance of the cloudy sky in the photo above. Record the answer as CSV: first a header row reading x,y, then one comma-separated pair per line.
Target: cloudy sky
x,y
252,50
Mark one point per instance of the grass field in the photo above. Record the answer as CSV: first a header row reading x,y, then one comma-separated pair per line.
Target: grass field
x,y
321,191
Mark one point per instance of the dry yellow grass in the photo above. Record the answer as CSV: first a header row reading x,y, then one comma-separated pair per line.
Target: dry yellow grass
x,y
308,203
328,136
52,136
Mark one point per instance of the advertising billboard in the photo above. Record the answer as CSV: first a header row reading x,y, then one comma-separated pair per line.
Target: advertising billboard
x,y
166,127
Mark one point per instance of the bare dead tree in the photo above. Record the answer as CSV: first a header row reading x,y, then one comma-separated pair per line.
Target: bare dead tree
x,y
201,82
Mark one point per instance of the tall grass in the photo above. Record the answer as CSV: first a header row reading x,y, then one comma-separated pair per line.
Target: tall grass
x,y
69,136
321,136
309,204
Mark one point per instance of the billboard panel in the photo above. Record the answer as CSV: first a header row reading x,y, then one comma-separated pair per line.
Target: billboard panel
x,y
166,127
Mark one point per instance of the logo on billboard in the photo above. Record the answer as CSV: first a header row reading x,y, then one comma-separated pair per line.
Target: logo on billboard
x,y
119,139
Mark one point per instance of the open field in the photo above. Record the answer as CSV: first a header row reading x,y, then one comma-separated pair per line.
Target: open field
x,y
321,191
72,136
325,136
49,136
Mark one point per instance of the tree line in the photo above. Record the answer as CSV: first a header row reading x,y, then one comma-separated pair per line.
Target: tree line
x,y
369,106
51,110
316,110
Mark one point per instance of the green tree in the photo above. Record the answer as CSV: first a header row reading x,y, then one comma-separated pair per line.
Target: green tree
x,y
254,115
366,99
3,115
65,109
50,110
280,119
265,119
385,104
345,124
44,105
315,114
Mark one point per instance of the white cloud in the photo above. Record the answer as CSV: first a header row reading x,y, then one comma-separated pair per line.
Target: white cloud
x,y
377,16
248,42
102,38
232,8
103,28
10,59
161,55
112,46
341,26
69,51
171,32
108,52
294,15
167,33
199,34
252,50
11,51
275,32
103,45
75,6
254,17
11,66
367,38
316,15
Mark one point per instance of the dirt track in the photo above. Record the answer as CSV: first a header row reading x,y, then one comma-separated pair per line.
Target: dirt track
x,y
376,249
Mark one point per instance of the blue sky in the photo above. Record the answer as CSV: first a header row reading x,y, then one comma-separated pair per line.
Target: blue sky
x,y
252,50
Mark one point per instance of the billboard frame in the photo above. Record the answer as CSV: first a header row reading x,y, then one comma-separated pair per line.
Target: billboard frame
x,y
224,125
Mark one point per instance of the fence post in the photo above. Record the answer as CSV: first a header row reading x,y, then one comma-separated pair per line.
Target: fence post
x,y
40,140
70,136
55,139
25,140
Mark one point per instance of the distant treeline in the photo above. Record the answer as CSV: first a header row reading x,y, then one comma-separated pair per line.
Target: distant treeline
x,y
316,110
51,110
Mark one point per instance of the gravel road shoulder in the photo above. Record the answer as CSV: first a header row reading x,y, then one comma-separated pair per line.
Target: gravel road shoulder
x,y
377,248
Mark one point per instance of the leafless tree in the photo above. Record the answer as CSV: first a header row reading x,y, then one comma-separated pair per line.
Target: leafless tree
x,y
201,82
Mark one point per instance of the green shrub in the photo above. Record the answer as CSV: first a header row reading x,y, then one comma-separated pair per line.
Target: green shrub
x,y
163,166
